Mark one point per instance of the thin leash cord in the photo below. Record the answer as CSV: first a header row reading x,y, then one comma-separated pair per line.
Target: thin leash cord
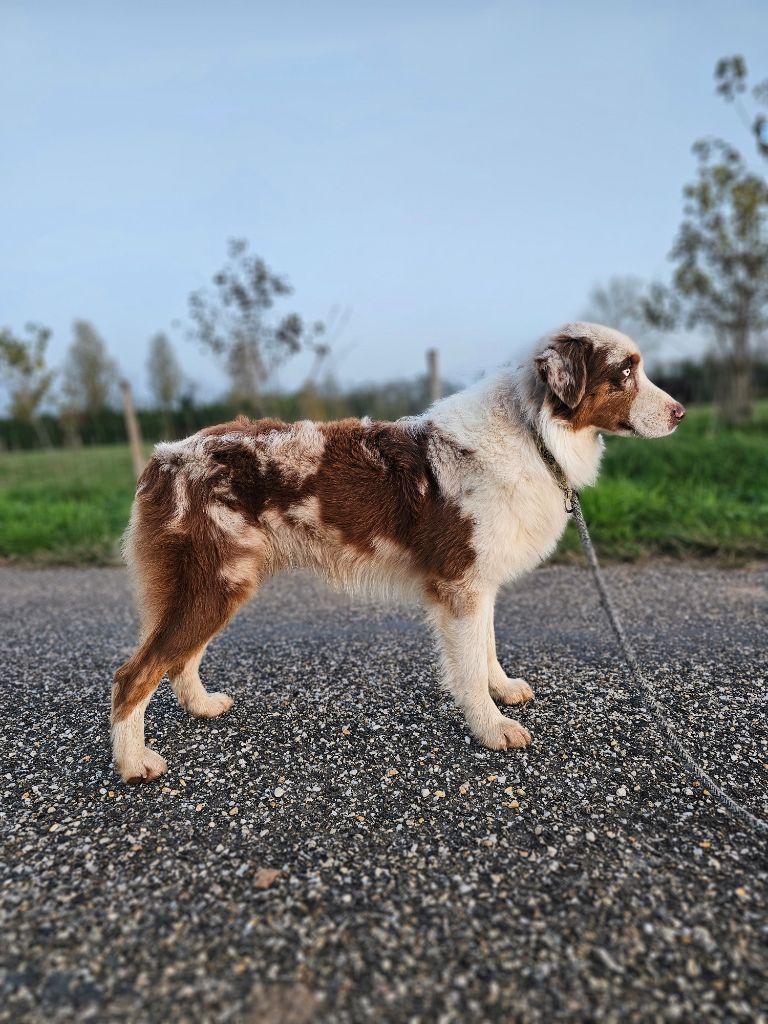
x,y
656,709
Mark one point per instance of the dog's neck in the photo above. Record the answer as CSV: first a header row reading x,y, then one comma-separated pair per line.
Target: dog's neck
x,y
509,407
577,452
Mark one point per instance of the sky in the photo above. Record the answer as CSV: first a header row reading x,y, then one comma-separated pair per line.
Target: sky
x,y
457,175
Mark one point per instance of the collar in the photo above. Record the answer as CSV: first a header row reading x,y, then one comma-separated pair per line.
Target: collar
x,y
554,467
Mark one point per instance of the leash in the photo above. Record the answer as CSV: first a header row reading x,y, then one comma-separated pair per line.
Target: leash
x,y
573,507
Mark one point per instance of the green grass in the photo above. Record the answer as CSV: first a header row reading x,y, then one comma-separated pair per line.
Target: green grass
x,y
65,505
701,492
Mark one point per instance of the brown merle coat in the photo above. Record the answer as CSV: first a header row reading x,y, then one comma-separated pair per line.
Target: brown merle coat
x,y
446,507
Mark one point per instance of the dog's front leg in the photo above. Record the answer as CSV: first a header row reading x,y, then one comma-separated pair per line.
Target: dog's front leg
x,y
462,629
503,689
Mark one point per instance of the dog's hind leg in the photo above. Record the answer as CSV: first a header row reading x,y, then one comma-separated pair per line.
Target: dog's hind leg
x,y
502,688
134,761
462,628
191,693
189,596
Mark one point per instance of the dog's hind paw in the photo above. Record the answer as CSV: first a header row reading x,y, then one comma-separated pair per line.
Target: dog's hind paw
x,y
211,705
505,734
148,766
511,691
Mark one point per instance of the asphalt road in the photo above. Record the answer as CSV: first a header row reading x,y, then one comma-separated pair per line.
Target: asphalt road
x,y
421,879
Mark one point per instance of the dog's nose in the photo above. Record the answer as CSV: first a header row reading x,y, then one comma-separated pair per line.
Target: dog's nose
x,y
678,411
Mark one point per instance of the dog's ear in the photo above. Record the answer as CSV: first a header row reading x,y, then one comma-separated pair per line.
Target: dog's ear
x,y
563,367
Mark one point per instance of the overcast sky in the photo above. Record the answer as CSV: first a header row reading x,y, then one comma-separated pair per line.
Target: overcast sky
x,y
454,174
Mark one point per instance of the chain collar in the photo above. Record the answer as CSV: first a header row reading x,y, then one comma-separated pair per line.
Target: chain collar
x,y
555,469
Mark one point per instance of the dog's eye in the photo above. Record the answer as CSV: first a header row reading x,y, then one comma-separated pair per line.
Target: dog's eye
x,y
627,371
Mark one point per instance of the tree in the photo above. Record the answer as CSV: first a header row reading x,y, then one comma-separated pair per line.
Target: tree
x,y
721,277
90,375
233,322
165,378
732,82
26,378
618,303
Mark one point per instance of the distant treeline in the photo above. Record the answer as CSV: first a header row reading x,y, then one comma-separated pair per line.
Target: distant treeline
x,y
384,401
701,381
691,381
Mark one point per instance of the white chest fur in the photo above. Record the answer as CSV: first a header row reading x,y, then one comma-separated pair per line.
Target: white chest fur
x,y
518,519
505,487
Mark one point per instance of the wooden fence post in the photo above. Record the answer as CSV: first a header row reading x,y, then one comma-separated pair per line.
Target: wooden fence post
x,y
132,429
433,372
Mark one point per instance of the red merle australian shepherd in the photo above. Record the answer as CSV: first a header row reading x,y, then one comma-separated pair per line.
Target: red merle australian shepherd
x,y
447,506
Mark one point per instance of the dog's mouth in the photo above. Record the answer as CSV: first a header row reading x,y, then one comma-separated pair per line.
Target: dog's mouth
x,y
625,425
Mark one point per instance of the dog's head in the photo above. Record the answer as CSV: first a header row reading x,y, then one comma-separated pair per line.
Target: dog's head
x,y
594,378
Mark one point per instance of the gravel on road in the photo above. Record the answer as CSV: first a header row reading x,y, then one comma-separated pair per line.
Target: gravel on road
x,y
337,849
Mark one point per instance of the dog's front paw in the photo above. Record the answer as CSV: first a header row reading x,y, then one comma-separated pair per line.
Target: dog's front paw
x,y
211,705
504,734
149,765
511,691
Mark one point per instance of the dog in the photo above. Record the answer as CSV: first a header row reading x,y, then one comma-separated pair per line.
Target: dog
x,y
447,506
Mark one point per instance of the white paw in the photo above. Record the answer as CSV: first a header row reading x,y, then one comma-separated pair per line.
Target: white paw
x,y
504,734
147,766
212,705
511,691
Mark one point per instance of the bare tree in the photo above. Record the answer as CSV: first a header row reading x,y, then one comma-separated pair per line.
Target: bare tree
x,y
90,375
25,375
234,322
618,303
165,378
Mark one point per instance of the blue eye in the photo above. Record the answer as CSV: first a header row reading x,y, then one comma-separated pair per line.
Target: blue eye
x,y
626,371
